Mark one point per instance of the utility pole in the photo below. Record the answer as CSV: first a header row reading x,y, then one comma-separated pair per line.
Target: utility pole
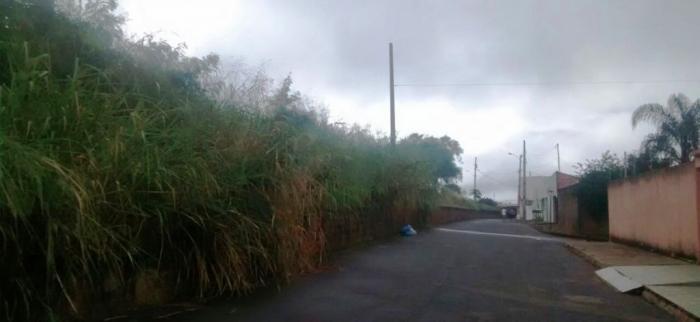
x,y
524,181
391,93
558,159
624,163
475,168
520,179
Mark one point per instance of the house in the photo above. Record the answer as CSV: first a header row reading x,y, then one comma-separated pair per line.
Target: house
x,y
541,198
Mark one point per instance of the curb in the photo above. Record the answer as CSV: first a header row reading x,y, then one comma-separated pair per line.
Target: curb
x,y
588,258
650,296
676,311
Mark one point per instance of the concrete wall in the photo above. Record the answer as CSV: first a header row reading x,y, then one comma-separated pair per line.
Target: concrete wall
x,y
446,215
573,220
540,192
567,213
658,210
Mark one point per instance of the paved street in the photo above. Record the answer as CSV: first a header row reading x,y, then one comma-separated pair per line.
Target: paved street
x,y
488,270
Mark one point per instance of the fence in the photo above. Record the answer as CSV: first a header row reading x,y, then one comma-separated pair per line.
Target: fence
x,y
658,210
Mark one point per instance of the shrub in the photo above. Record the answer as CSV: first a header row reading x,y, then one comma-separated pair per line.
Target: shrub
x,y
592,189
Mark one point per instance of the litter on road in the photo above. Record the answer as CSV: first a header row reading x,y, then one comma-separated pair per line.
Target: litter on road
x,y
408,231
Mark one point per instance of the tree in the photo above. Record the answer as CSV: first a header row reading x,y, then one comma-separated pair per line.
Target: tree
x,y
285,97
646,160
677,128
476,194
441,154
453,187
592,189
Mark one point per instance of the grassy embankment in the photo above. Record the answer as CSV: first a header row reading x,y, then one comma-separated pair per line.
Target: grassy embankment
x,y
118,162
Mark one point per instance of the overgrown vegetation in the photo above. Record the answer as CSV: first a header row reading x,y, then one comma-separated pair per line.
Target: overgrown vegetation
x,y
451,196
677,133
676,138
122,156
592,189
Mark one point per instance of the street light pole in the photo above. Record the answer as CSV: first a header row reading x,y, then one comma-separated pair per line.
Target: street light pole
x,y
391,93
524,203
475,169
558,159
520,177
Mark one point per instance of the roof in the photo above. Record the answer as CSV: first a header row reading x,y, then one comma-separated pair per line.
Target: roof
x,y
565,180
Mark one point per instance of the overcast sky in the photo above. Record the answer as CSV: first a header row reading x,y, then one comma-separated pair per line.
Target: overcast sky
x,y
337,53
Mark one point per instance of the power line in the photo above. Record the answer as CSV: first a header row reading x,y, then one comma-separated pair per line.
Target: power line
x,y
552,83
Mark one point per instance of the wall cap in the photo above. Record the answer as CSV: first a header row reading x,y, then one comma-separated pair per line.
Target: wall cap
x,y
653,173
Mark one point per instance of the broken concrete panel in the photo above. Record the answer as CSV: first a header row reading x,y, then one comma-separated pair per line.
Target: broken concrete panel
x,y
620,282
685,296
661,274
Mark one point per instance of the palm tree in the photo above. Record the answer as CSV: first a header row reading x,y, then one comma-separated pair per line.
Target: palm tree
x,y
677,128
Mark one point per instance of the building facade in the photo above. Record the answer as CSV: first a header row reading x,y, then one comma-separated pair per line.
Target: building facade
x,y
541,198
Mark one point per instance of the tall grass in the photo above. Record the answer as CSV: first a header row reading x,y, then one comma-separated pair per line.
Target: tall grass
x,y
111,166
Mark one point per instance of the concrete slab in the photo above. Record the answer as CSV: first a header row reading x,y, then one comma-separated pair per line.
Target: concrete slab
x,y
605,254
686,297
620,282
661,274
674,282
677,284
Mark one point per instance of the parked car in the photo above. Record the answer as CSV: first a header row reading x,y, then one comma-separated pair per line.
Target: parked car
x,y
509,212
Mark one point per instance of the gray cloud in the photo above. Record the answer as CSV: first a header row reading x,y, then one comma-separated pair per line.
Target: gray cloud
x,y
337,52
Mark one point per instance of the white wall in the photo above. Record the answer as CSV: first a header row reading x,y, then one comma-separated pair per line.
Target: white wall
x,y
540,193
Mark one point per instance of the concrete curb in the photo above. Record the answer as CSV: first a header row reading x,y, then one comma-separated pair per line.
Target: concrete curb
x,y
650,296
583,255
676,311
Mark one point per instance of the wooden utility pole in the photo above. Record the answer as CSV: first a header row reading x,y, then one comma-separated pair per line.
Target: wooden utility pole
x,y
558,160
391,93
524,181
624,163
475,168
520,178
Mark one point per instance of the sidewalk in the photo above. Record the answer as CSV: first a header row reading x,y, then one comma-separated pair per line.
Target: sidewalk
x,y
669,283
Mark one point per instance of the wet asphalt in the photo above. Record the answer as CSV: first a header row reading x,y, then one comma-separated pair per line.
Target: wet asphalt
x,y
509,272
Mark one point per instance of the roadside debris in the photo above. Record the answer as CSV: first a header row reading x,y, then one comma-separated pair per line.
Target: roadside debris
x,y
617,280
408,231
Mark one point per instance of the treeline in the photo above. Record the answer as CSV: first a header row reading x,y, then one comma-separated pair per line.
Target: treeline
x,y
674,142
130,172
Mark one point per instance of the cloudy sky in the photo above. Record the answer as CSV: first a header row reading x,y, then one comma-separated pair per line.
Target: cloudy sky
x,y
488,73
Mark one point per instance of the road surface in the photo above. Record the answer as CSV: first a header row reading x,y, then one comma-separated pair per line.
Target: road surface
x,y
483,270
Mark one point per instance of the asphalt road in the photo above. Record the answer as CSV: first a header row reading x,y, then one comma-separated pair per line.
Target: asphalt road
x,y
509,272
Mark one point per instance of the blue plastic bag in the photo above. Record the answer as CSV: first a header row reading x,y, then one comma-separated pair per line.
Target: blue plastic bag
x,y
407,231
